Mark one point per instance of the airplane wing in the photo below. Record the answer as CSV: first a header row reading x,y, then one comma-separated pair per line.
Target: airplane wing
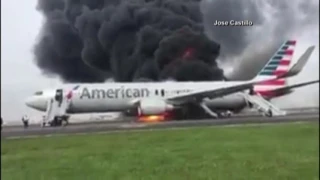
x,y
198,96
297,68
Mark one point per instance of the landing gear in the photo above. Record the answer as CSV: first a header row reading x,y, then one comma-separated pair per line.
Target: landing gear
x,y
269,113
226,114
59,121
190,111
208,110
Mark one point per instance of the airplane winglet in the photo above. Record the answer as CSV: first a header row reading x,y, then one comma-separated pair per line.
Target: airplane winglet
x,y
297,67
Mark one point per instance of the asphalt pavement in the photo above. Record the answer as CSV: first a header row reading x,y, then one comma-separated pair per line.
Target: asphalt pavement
x,y
34,131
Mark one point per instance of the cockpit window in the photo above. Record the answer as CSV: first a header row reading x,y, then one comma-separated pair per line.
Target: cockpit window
x,y
38,93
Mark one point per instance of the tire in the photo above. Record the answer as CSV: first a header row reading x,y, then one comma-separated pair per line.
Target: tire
x,y
64,122
220,116
269,114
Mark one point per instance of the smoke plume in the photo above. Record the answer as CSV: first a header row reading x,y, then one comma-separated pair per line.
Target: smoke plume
x,y
140,40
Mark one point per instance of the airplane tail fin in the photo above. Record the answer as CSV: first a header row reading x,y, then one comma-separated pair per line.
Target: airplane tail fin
x,y
277,65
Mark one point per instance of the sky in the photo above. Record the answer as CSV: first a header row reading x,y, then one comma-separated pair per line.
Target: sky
x,y
19,75
20,78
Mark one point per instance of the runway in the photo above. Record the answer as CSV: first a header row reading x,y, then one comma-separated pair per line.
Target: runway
x,y
17,132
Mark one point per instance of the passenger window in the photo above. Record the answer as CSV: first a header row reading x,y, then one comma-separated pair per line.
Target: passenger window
x,y
156,92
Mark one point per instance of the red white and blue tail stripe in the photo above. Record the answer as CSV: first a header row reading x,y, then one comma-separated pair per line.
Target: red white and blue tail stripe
x,y
277,65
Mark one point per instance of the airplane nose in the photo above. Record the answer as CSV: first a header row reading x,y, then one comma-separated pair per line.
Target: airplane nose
x,y
37,103
31,102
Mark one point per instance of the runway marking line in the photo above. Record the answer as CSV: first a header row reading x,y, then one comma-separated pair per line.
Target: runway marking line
x,y
155,129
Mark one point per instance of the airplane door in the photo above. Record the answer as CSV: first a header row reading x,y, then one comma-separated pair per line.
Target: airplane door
x,y
59,96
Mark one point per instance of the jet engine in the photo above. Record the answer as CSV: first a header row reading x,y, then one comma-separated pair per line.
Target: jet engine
x,y
153,107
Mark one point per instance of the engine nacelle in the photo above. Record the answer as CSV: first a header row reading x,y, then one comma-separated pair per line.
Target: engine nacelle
x,y
153,107
233,101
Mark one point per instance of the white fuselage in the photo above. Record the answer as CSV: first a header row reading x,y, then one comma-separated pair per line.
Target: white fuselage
x,y
120,96
111,97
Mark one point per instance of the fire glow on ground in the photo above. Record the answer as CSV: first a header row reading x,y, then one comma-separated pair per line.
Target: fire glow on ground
x,y
277,152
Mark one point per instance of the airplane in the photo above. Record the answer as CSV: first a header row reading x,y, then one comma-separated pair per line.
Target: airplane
x,y
153,98
269,90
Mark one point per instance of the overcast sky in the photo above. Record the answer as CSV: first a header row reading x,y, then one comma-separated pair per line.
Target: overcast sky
x,y
20,24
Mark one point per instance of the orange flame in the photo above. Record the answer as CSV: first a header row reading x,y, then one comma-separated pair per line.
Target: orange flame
x,y
152,118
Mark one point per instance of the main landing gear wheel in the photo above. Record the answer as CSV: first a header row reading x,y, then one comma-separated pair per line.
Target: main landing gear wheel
x,y
269,113
64,123
60,121
64,120
224,115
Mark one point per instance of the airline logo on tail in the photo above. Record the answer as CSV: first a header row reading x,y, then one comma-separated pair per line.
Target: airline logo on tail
x,y
277,65
280,61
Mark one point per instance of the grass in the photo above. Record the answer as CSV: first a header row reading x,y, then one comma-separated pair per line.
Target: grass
x,y
284,152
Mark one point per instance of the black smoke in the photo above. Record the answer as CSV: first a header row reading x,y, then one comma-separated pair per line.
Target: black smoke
x,y
92,40
247,49
142,40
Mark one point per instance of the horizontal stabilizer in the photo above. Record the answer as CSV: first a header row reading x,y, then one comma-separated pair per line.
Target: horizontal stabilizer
x,y
297,68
